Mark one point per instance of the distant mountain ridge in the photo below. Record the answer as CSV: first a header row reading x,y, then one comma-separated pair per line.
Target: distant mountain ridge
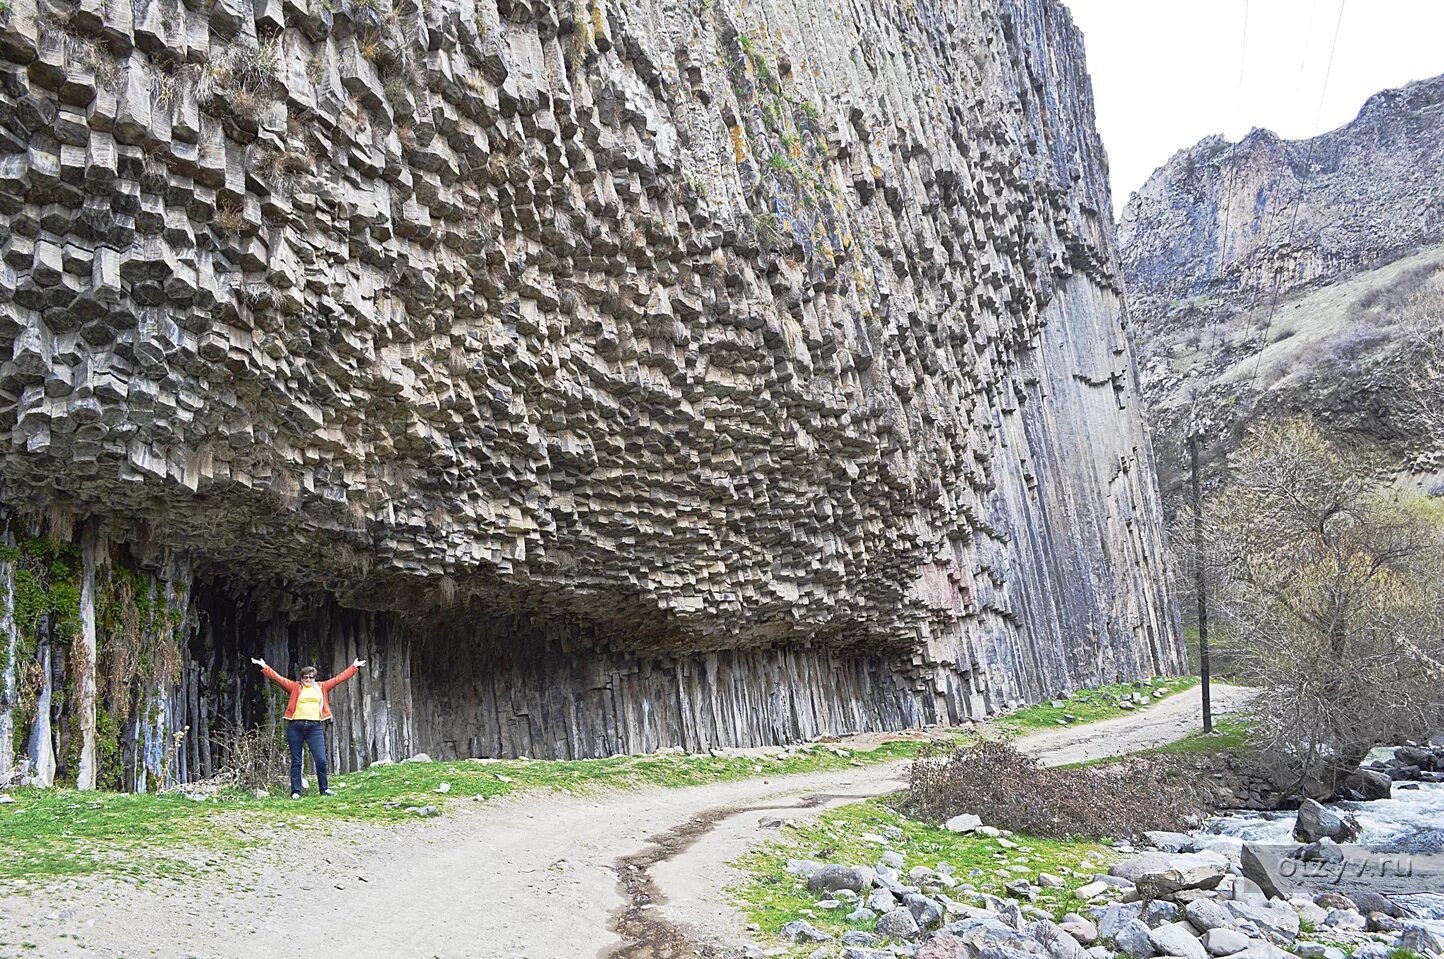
x,y
1222,217
1272,277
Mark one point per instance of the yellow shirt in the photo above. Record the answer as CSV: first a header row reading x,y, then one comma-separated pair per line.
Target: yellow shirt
x,y
308,702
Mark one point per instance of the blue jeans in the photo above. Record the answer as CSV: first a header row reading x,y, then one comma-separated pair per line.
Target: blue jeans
x,y
311,732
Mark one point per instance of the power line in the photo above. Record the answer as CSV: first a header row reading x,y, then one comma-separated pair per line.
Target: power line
x,y
1195,432
1299,197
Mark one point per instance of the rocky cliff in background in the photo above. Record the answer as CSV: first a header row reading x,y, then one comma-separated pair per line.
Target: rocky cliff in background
x,y
1272,277
611,375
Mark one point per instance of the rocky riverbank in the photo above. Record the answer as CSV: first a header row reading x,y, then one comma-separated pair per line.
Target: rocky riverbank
x,y
1170,898
1362,876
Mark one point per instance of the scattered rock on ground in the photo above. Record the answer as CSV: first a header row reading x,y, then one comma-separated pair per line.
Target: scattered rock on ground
x,y
1225,942
897,924
832,877
800,930
1177,939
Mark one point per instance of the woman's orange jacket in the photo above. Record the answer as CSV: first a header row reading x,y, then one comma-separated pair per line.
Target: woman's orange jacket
x,y
294,688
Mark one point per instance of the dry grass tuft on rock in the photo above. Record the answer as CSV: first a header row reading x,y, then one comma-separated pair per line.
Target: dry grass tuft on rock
x,y
1009,790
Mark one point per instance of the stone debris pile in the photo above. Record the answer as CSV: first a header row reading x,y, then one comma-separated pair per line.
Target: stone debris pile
x,y
1174,900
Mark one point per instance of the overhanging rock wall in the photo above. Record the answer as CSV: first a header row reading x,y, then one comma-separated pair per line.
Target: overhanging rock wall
x,y
619,375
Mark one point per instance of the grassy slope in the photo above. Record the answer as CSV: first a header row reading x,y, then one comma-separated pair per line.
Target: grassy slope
x,y
1303,329
1089,705
50,833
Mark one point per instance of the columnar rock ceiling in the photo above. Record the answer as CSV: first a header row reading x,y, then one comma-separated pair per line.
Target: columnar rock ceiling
x,y
697,326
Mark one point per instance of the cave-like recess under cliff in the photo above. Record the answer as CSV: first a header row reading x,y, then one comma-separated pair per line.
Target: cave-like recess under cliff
x,y
612,376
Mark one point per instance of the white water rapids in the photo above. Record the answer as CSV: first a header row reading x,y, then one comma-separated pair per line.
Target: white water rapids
x,y
1411,821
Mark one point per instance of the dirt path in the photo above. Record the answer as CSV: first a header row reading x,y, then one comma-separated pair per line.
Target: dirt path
x,y
633,874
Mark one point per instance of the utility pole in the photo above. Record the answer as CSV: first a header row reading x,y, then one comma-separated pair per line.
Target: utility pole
x,y
1200,580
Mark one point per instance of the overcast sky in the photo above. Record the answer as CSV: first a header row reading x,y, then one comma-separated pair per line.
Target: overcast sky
x,y
1166,72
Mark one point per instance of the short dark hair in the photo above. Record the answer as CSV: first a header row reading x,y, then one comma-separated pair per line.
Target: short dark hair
x,y
308,670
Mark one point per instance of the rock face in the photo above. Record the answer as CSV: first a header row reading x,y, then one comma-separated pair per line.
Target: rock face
x,y
1273,277
613,377
1222,218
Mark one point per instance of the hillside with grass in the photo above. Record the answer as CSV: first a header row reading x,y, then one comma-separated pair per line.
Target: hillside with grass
x,y
1272,278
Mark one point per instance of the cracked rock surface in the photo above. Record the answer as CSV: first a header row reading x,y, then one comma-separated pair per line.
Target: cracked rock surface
x,y
616,375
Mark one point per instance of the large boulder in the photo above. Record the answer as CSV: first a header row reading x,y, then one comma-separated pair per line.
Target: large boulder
x,y
1171,841
1259,949
832,877
1225,942
898,924
943,946
1256,862
1369,784
1160,912
1177,939
1158,875
1422,941
1317,821
882,900
1081,929
1421,756
1276,919
1056,941
800,930
926,912
1205,914
1135,941
1004,952
1320,850
1114,916
1367,902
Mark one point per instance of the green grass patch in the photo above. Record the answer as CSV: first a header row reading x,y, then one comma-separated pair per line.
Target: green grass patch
x,y
54,833
1229,735
1089,705
860,833
49,833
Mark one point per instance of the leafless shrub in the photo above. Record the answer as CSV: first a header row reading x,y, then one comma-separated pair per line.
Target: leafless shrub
x,y
1398,296
1332,592
1355,344
1422,325
251,758
1012,791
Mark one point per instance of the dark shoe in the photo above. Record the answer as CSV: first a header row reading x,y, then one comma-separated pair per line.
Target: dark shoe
x,y
328,792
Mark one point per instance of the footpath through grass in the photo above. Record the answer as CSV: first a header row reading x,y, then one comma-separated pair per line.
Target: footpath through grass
x,y
56,833
51,833
1093,705
858,834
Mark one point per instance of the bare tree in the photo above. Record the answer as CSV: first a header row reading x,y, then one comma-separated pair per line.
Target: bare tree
x,y
1333,590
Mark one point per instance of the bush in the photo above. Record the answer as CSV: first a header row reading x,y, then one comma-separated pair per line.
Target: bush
x,y
251,759
1331,592
1013,791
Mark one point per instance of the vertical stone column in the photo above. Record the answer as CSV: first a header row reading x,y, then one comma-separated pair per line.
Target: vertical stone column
x,y
9,648
85,679
41,750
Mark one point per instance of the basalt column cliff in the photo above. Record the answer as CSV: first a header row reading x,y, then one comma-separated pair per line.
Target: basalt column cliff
x,y
611,375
